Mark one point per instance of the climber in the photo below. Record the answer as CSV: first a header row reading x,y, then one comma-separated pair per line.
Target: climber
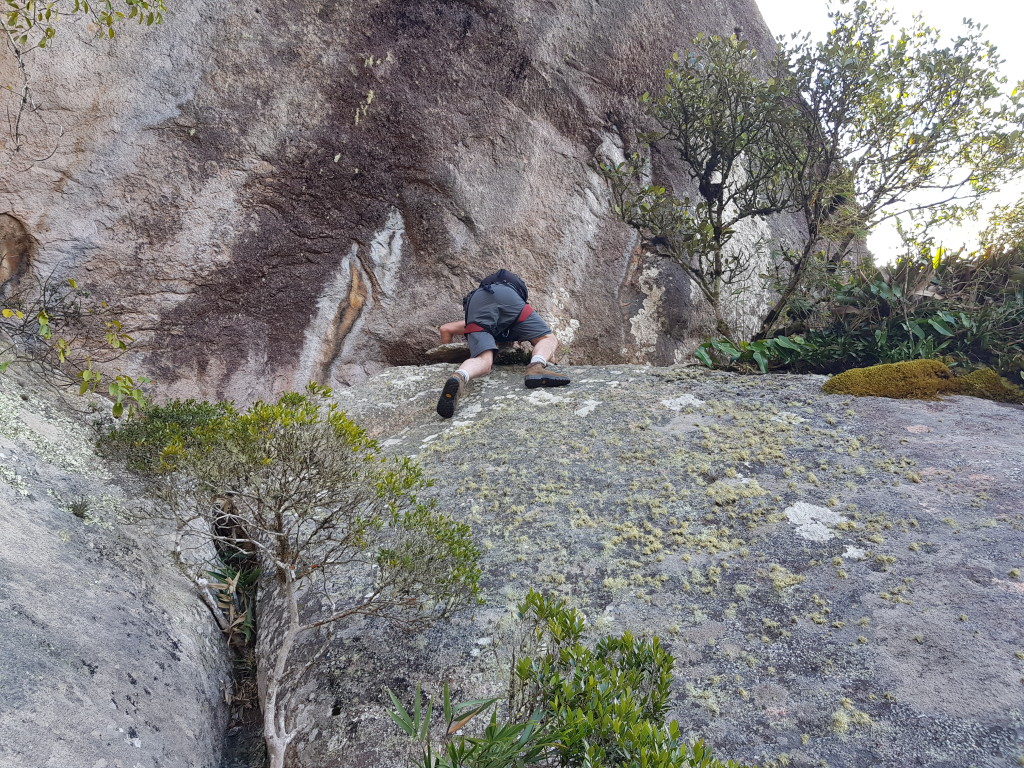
x,y
498,313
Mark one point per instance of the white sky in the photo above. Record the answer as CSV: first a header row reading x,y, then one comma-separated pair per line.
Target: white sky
x,y
1005,22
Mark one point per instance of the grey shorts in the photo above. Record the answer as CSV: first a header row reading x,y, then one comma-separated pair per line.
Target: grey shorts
x,y
500,310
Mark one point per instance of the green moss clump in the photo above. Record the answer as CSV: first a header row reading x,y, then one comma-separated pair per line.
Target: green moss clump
x,y
915,379
988,384
922,380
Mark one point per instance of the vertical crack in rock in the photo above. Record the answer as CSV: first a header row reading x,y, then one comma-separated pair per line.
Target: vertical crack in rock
x,y
348,313
358,282
337,310
646,325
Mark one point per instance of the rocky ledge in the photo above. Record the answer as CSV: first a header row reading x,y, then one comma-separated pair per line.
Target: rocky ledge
x,y
839,579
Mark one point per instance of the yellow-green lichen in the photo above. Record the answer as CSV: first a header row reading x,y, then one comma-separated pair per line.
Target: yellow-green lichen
x,y
848,716
782,578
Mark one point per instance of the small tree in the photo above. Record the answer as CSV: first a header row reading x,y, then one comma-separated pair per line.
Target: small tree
x,y
722,118
903,125
869,124
336,528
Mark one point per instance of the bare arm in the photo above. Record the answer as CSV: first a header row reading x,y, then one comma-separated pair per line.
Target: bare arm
x,y
449,331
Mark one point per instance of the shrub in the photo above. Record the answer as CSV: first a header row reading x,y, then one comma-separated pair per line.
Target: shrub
x,y
140,442
569,704
336,528
967,310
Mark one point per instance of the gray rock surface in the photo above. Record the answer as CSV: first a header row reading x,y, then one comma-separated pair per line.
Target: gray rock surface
x,y
295,190
107,657
839,579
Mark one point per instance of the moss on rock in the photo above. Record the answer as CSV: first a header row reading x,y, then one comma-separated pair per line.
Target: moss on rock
x,y
915,379
921,380
988,384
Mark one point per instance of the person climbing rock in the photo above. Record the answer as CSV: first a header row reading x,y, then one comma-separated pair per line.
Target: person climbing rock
x,y
496,313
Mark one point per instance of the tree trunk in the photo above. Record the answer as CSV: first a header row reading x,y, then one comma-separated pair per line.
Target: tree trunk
x,y
275,731
787,293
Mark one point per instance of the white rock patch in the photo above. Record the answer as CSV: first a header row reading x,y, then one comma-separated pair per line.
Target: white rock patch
x,y
587,408
813,522
683,401
540,397
785,417
467,414
854,553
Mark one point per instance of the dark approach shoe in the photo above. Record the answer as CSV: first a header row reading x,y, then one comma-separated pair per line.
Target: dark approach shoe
x,y
538,375
450,393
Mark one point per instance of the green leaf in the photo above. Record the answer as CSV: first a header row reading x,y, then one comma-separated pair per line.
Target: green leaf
x,y
726,347
446,701
416,708
399,715
788,343
425,725
939,326
701,354
762,360
462,721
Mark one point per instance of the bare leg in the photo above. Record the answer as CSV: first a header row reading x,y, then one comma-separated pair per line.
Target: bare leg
x,y
480,365
545,346
453,388
538,374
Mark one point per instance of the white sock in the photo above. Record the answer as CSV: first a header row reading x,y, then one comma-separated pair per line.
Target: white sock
x,y
464,375
539,359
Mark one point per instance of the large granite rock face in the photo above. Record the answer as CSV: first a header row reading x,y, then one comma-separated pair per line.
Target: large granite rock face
x,y
295,190
108,659
840,580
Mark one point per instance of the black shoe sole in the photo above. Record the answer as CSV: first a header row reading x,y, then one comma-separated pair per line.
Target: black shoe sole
x,y
449,394
540,380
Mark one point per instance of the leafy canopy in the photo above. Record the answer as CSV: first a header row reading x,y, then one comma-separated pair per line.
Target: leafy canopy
x,y
871,123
